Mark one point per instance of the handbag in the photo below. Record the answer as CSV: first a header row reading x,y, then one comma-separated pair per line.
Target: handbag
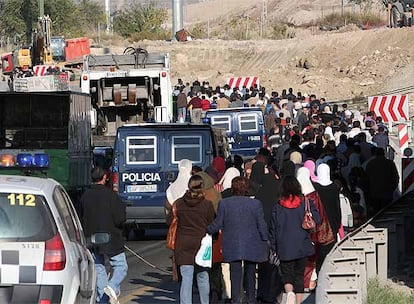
x,y
308,222
218,249
204,256
172,230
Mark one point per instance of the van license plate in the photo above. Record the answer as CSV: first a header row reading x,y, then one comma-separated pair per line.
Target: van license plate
x,y
142,188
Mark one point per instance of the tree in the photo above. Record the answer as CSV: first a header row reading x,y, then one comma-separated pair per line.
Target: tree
x,y
18,18
144,20
90,14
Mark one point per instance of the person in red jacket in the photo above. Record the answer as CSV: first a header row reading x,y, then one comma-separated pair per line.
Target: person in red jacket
x,y
205,103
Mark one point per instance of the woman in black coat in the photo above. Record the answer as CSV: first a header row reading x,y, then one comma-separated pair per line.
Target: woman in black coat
x,y
269,284
292,243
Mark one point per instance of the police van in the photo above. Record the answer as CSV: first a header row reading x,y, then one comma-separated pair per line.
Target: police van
x,y
244,126
145,163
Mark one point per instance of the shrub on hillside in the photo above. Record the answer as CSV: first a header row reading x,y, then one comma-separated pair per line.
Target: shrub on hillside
x,y
337,20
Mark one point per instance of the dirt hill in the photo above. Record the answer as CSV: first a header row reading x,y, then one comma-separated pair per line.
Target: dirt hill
x,y
336,65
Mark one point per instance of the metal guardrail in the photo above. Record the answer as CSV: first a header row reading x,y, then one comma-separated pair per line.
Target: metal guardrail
x,y
374,250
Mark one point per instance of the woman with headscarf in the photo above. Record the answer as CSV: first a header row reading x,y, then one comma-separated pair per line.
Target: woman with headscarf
x,y
256,178
226,181
287,218
296,159
178,188
329,195
268,281
194,214
288,168
175,191
245,237
310,164
217,168
323,234
353,161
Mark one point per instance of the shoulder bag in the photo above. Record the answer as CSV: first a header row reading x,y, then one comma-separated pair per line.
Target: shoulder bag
x,y
308,222
172,230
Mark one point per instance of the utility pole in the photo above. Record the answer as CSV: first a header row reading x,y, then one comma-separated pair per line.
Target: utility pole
x,y
263,18
108,16
41,8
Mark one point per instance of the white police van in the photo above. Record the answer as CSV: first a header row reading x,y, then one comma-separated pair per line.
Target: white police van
x,y
145,163
245,128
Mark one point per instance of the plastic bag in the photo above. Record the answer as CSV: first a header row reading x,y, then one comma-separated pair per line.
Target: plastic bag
x,y
203,257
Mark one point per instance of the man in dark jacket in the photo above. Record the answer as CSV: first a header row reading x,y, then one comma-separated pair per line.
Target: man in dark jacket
x,y
103,211
383,180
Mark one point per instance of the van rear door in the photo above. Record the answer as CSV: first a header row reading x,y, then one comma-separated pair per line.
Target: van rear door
x,y
146,163
244,127
142,180
248,132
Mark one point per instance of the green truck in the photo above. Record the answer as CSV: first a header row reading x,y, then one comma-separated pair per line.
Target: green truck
x,y
47,134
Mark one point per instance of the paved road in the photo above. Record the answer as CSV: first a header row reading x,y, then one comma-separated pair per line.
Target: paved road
x,y
148,285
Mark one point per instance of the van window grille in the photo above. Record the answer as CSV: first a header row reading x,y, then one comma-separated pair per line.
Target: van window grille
x,y
248,123
221,122
187,147
141,150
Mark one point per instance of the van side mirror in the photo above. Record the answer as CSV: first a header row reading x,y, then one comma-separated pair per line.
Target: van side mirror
x,y
99,238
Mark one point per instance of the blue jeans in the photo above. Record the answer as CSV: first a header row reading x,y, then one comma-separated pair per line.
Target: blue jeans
x,y
182,112
186,289
119,271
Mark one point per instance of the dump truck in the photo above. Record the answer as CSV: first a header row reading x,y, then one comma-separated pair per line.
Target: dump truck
x,y
133,87
400,12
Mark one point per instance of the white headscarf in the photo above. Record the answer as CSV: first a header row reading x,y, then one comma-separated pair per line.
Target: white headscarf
x,y
324,175
178,188
228,177
303,176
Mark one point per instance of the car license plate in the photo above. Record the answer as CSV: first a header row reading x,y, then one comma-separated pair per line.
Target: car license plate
x,y
142,188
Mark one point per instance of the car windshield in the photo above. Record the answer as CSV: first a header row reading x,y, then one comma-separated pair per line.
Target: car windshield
x,y
25,217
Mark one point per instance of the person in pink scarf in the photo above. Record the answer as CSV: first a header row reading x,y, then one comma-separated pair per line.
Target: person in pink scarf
x,y
310,164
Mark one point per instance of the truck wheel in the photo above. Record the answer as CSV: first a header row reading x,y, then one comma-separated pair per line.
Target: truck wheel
x,y
395,19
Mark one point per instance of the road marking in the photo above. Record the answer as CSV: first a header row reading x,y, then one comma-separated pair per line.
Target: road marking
x,y
139,292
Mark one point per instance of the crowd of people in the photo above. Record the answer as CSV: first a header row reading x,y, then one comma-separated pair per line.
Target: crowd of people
x,y
331,160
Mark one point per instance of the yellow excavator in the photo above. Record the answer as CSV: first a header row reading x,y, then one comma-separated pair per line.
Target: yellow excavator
x,y
42,50
39,53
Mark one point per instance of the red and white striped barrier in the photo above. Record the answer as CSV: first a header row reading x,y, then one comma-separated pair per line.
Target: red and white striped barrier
x,y
40,70
403,137
407,174
240,82
392,108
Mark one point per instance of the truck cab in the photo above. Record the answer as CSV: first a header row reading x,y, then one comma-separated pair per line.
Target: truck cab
x,y
145,163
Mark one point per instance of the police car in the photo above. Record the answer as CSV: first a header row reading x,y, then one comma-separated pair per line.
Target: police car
x,y
44,256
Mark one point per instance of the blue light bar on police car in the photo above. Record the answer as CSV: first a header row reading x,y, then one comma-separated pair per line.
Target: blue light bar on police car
x,y
41,160
24,160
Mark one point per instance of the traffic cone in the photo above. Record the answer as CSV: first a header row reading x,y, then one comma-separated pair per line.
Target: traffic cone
x,y
181,118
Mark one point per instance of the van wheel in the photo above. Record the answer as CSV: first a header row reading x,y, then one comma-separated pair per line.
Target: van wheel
x,y
135,234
